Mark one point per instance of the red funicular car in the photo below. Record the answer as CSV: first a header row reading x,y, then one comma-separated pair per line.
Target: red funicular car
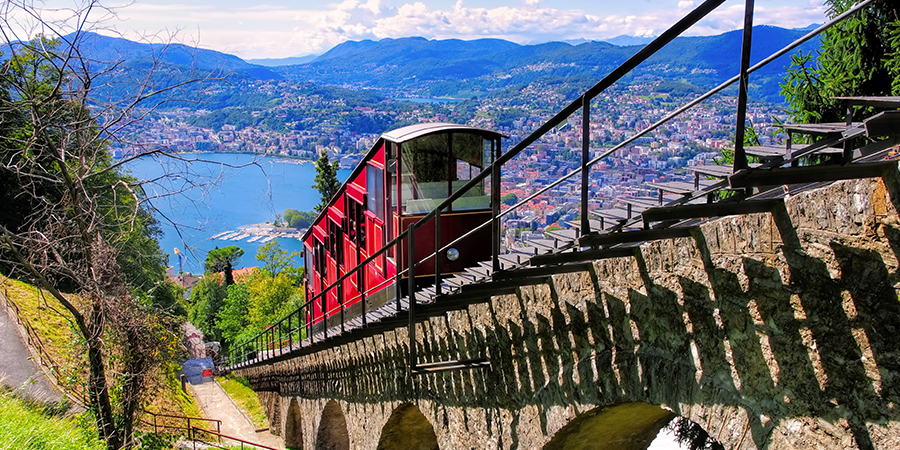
x,y
407,173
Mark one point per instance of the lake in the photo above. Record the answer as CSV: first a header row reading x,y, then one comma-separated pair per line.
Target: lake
x,y
213,198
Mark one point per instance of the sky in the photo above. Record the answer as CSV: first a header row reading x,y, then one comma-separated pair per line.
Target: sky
x,y
285,28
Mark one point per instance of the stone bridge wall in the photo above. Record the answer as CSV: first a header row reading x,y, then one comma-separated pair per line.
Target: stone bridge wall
x,y
776,331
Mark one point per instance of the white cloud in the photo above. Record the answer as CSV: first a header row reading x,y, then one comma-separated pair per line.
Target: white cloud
x,y
280,30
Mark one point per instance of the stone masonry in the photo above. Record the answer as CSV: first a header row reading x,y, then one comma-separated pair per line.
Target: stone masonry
x,y
772,331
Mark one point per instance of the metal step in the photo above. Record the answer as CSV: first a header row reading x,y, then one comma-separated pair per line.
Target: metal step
x,y
480,272
766,152
815,128
543,245
614,214
679,187
718,171
565,235
874,101
886,123
595,225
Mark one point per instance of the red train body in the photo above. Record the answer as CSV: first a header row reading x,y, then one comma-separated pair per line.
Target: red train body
x,y
407,173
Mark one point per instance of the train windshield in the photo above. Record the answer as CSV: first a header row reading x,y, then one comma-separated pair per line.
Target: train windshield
x,y
435,166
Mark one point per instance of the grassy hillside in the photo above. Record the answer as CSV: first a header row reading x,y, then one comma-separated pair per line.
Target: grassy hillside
x,y
64,353
26,425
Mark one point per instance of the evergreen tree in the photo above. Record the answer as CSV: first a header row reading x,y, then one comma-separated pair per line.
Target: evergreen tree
x,y
326,180
860,56
223,260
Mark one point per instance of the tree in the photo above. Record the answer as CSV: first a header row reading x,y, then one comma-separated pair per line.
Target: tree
x,y
224,260
275,260
510,199
232,317
298,219
75,226
860,56
72,222
206,300
326,180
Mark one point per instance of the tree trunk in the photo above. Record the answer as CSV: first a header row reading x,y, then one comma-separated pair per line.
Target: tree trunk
x,y
97,389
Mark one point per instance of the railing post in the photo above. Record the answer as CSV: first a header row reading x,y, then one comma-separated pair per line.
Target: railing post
x,y
340,289
411,273
740,157
495,212
585,157
325,314
397,290
437,253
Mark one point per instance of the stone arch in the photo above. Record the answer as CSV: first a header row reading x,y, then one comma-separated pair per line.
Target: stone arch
x,y
293,429
407,429
332,433
628,426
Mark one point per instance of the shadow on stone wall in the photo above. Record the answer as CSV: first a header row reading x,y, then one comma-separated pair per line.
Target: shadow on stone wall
x,y
740,343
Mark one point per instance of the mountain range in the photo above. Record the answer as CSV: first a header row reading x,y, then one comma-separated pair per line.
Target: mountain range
x,y
416,66
440,66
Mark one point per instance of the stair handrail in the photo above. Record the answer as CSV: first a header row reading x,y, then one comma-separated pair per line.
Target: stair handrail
x,y
188,420
219,435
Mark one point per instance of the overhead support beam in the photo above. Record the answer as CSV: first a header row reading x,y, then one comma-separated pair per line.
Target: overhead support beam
x,y
682,212
808,174
624,237
579,256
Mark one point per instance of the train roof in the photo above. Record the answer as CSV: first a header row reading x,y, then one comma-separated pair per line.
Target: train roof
x,y
410,132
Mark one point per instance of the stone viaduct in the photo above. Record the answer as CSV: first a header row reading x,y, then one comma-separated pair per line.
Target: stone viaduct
x,y
772,331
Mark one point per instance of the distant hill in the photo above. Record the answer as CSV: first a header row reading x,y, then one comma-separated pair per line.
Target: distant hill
x,y
456,68
106,49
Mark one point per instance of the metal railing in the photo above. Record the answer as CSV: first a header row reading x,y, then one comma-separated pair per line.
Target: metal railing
x,y
194,431
249,353
185,419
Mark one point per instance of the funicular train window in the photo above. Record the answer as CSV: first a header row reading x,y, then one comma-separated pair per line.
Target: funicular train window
x,y
424,173
435,166
375,188
468,154
356,226
335,238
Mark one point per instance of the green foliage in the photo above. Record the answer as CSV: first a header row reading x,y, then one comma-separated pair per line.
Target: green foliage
x,y
509,199
166,296
250,308
223,260
270,299
275,260
29,425
858,57
326,180
298,219
232,317
207,298
751,138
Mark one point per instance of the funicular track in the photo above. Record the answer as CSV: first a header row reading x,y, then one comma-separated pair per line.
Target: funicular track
x,y
839,151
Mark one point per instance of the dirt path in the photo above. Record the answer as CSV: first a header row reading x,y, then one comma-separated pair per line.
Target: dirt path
x,y
17,369
218,405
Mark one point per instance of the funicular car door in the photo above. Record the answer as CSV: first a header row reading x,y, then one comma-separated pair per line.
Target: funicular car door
x,y
354,247
335,247
318,277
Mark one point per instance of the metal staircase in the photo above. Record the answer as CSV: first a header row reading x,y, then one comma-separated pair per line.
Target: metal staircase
x,y
837,151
